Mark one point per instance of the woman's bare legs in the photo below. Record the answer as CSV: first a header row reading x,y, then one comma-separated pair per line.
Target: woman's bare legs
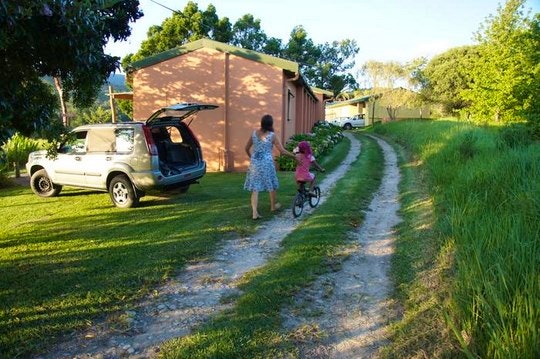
x,y
255,204
274,206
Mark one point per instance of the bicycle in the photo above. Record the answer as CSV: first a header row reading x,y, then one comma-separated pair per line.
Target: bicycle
x,y
303,196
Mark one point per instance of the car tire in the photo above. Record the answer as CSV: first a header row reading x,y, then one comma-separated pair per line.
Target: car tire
x,y
347,126
43,186
122,192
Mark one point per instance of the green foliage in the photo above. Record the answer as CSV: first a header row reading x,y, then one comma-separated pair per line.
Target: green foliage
x,y
247,33
126,107
63,39
29,106
17,149
448,75
95,114
182,27
323,138
486,202
506,77
327,65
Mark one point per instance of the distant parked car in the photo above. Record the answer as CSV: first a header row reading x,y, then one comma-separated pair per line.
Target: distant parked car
x,y
125,159
348,123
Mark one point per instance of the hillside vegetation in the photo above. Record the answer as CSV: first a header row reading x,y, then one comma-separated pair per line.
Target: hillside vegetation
x,y
477,257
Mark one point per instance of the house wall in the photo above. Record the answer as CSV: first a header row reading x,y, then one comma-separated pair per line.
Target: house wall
x,y
309,109
379,113
243,89
402,113
347,110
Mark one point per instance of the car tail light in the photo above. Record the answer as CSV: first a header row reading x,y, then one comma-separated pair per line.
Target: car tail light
x,y
152,148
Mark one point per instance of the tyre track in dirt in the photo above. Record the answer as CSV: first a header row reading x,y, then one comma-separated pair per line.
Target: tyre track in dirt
x,y
192,297
345,313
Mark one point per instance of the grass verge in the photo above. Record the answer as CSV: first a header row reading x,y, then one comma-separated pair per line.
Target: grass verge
x,y
485,195
253,328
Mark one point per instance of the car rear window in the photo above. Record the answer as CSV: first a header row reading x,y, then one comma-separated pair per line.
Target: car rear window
x,y
124,140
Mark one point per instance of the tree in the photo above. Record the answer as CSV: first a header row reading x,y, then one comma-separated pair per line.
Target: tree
x,y
388,81
182,27
274,47
447,76
247,34
332,68
324,66
505,82
63,39
301,49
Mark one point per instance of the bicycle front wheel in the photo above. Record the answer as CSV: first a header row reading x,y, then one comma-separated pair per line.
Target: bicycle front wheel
x,y
314,200
298,205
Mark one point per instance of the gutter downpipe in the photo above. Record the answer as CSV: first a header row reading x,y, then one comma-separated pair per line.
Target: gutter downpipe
x,y
285,99
226,134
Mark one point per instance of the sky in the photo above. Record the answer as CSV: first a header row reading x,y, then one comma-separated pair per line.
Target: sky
x,y
385,30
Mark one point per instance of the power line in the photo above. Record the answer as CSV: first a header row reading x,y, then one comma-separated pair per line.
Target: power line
x,y
168,8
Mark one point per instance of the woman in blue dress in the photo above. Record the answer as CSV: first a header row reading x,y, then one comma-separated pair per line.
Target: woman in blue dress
x,y
261,175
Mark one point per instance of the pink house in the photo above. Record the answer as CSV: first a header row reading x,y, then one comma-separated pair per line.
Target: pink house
x,y
244,84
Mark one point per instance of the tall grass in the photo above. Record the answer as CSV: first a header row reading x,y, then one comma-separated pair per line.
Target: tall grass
x,y
486,195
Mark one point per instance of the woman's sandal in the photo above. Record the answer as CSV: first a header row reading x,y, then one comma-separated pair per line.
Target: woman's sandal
x,y
277,207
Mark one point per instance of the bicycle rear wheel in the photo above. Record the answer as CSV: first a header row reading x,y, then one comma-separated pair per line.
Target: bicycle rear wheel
x,y
314,200
298,205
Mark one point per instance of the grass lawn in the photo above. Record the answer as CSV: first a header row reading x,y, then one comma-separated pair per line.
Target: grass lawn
x,y
69,260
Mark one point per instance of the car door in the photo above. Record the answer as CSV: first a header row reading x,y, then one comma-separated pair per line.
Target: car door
x,y
100,156
67,167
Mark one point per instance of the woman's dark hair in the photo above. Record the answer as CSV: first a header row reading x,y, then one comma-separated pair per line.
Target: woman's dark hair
x,y
267,123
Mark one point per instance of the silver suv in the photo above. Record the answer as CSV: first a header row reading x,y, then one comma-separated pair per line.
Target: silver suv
x,y
125,159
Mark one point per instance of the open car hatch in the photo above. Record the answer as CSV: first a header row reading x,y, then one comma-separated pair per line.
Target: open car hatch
x,y
177,112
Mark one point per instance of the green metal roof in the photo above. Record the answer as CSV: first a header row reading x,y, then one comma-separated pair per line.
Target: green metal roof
x,y
349,102
321,91
216,45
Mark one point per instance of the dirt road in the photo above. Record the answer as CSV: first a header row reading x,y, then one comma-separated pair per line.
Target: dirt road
x,y
345,313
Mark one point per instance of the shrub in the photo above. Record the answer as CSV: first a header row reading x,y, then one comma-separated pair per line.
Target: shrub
x,y
323,137
17,149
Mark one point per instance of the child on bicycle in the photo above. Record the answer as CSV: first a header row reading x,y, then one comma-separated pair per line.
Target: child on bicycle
x,y
304,160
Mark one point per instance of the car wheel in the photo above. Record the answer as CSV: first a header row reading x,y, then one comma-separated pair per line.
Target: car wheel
x,y
41,184
347,126
122,193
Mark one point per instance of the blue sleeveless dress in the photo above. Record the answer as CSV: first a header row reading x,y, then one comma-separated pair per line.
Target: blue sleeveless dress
x,y
261,175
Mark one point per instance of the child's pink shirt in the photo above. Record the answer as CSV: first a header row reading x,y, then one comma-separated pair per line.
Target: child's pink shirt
x,y
302,169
